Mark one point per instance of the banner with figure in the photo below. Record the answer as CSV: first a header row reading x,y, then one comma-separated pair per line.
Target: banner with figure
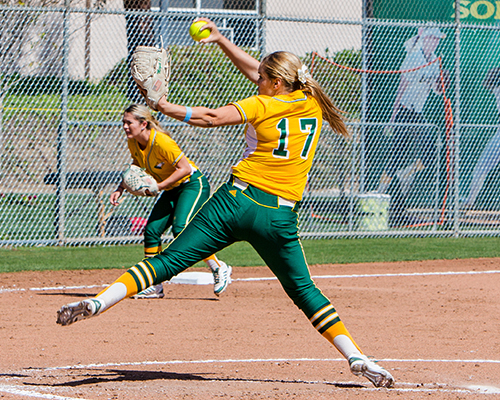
x,y
407,146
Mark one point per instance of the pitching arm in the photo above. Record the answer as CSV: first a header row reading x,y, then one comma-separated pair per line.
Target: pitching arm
x,y
246,64
201,116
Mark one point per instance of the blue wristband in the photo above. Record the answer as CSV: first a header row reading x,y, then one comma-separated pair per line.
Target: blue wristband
x,y
189,112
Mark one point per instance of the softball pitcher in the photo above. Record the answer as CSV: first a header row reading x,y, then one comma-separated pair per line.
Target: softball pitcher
x,y
184,189
259,202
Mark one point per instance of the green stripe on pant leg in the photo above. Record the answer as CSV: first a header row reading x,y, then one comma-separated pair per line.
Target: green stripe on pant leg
x,y
276,240
293,274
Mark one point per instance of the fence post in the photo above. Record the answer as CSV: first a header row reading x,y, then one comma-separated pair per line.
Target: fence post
x,y
364,51
62,134
261,7
352,196
3,89
437,178
456,136
88,36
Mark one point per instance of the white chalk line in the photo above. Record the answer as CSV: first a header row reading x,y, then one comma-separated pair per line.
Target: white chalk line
x,y
257,360
40,289
22,390
482,389
25,392
380,275
407,386
44,289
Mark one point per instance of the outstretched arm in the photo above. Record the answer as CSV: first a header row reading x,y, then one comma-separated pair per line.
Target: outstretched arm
x,y
247,65
201,116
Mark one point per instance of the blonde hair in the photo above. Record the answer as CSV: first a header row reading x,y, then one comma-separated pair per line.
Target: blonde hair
x,y
285,65
141,113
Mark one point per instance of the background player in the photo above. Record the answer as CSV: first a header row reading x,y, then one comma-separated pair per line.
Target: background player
x,y
259,203
183,187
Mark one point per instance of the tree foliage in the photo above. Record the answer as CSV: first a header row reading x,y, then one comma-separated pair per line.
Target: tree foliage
x,y
342,85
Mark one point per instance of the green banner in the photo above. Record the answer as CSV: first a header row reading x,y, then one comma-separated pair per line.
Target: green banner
x,y
393,47
480,11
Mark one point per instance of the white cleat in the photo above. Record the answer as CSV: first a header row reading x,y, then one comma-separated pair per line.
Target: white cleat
x,y
152,292
222,278
79,310
362,366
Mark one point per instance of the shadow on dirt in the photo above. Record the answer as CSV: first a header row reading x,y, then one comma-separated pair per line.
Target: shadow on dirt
x,y
68,294
13,376
95,294
110,376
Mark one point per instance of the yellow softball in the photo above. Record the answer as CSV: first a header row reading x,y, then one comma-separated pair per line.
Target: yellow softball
x,y
194,31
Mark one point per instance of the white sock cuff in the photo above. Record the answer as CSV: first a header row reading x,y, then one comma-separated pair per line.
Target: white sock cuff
x,y
345,345
213,265
113,294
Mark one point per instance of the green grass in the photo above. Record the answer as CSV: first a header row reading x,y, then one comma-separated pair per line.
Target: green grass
x,y
343,251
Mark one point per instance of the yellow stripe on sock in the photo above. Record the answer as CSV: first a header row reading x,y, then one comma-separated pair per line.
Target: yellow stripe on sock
x,y
212,257
128,280
146,272
320,312
152,251
151,266
140,277
326,320
212,262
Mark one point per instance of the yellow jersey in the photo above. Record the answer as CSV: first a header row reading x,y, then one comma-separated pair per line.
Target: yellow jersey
x,y
281,134
159,157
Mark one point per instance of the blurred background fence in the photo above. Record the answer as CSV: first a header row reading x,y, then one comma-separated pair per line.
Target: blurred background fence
x,y
419,85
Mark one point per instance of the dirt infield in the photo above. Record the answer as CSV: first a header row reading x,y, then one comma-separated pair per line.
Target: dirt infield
x,y
434,325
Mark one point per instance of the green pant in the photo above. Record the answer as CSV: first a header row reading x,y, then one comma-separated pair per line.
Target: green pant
x,y
250,215
175,208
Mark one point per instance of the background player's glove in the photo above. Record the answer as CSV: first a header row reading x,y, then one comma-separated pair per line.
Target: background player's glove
x,y
150,68
138,182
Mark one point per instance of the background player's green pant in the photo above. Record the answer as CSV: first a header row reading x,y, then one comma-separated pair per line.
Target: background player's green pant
x,y
250,215
175,208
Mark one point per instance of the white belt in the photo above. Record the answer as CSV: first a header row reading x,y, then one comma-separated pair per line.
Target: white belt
x,y
285,202
281,201
239,183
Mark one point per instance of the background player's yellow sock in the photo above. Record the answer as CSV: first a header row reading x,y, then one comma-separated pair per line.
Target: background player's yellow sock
x,y
151,251
212,262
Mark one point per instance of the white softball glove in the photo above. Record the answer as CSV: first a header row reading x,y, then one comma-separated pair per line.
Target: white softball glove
x,y
150,68
138,182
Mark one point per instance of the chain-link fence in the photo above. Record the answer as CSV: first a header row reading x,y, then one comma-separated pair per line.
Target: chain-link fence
x,y
420,85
